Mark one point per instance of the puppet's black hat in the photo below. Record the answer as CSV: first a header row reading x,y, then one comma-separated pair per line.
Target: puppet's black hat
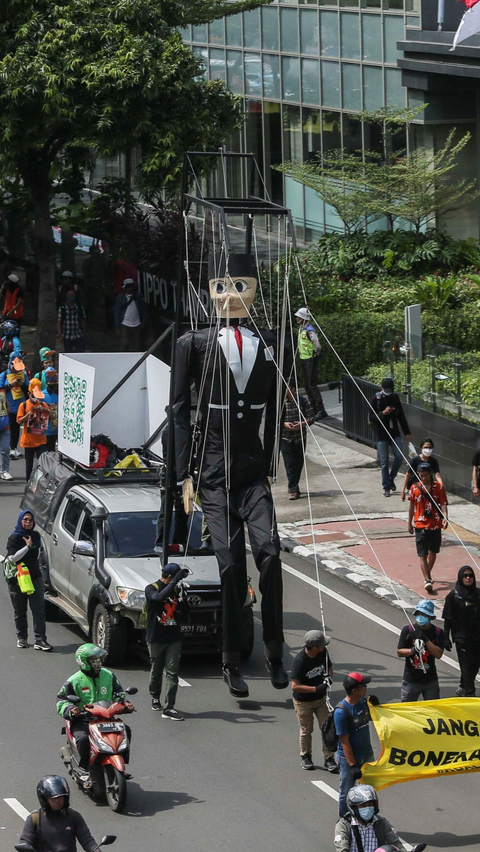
x,y
238,265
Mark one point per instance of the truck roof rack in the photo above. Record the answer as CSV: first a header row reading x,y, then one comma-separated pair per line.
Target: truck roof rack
x,y
113,476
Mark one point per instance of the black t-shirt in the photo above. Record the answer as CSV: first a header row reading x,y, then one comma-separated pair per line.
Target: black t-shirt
x,y
413,478
162,613
413,672
310,671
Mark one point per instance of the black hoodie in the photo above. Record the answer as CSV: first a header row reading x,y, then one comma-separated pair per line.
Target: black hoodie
x,y
462,610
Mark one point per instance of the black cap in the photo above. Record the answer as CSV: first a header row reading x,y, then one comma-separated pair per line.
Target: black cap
x,y
238,265
425,466
387,383
171,569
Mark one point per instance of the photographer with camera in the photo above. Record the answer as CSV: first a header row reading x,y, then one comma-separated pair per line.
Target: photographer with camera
x,y
427,517
163,600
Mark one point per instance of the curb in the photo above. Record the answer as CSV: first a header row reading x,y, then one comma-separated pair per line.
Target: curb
x,y
335,560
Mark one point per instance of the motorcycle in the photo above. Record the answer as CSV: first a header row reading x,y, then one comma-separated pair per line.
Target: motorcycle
x,y
389,848
109,747
27,847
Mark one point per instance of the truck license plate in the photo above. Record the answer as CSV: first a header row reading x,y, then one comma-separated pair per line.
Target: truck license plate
x,y
194,628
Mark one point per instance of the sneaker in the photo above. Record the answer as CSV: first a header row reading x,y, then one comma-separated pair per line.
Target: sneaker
x,y
321,415
331,765
172,714
386,492
156,704
85,779
7,476
22,643
307,762
42,645
15,454
461,692
393,487
294,495
429,586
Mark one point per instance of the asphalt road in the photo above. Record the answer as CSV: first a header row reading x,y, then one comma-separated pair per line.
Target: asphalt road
x,y
229,776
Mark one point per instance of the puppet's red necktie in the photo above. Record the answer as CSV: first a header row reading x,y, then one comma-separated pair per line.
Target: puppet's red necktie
x,y
238,338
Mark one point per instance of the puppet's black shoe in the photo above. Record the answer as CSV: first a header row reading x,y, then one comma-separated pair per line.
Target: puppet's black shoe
x,y
277,673
235,681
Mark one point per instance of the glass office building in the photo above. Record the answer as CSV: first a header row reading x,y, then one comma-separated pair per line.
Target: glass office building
x,y
304,70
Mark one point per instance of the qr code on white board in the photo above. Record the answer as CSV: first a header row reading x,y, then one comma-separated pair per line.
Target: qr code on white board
x,y
73,408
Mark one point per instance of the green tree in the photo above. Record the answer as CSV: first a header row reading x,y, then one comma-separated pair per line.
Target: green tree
x,y
341,180
101,75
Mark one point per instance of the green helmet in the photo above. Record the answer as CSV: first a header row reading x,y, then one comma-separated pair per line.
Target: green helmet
x,y
87,652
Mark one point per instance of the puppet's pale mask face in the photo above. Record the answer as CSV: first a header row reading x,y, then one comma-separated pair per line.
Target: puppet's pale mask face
x,y
233,296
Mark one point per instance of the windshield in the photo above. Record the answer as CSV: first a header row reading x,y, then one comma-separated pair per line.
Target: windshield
x,y
133,534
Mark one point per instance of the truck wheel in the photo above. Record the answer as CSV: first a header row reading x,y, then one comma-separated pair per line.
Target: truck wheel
x,y
110,636
249,631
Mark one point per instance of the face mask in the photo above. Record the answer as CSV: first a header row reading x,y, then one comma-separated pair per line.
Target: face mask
x,y
387,392
366,814
96,666
422,620
427,451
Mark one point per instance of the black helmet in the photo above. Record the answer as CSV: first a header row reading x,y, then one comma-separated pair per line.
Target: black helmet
x,y
51,787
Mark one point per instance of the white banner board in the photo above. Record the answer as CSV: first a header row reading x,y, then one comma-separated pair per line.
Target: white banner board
x,y
75,397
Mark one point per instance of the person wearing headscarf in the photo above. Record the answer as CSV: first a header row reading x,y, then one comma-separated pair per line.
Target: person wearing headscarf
x,y
461,614
23,548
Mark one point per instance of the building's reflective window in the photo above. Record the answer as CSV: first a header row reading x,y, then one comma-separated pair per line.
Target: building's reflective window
x,y
289,28
350,36
251,28
234,30
270,39
329,34
372,87
311,81
372,37
253,74
331,84
235,71
393,30
309,42
351,86
271,76
217,65
291,78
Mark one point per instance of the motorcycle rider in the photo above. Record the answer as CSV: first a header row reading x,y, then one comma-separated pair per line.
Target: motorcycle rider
x,y
91,684
363,828
55,827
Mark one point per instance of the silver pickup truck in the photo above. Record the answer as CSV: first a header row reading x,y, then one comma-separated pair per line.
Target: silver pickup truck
x,y
98,536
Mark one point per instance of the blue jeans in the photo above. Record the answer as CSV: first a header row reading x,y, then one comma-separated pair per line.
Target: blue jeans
x,y
5,451
382,447
346,778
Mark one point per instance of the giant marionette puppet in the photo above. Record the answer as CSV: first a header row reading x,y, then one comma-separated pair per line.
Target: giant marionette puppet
x,y
235,374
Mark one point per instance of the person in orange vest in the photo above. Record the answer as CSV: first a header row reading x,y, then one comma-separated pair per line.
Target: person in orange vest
x,y
13,304
33,415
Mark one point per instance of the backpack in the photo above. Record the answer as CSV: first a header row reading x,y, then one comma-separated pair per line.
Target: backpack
x,y
329,734
143,614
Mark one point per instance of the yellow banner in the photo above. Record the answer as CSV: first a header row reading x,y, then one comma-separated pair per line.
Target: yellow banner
x,y
424,739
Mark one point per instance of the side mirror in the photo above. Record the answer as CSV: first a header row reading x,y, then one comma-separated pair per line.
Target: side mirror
x,y
108,840
24,847
131,690
84,548
73,699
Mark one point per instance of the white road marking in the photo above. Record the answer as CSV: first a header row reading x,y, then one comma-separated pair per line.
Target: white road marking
x,y
356,608
334,795
326,789
16,806
182,682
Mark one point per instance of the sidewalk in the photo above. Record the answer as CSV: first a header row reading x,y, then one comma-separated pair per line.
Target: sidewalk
x,y
359,551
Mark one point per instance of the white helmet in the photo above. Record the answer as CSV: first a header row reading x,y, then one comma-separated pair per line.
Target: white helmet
x,y
303,313
13,278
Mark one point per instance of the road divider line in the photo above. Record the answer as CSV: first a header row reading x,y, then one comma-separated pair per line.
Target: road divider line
x,y
182,682
356,607
326,789
17,806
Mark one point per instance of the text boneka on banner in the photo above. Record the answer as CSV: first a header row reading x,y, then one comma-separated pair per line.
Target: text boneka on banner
x,y
424,739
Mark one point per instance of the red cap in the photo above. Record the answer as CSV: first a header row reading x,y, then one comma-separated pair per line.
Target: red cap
x,y
359,677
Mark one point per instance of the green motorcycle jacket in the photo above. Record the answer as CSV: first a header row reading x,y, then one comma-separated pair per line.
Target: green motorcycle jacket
x,y
104,687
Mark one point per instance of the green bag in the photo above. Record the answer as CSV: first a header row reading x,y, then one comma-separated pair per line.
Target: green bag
x,y
9,569
143,614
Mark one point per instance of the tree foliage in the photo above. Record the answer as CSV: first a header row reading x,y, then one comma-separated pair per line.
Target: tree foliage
x,y
78,76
